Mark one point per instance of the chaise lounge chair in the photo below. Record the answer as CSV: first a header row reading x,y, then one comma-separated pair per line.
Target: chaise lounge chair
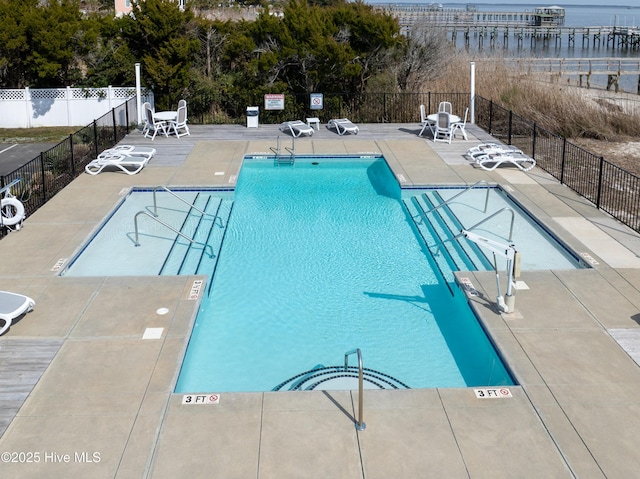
x,y
297,128
13,305
130,164
491,148
490,161
342,126
128,150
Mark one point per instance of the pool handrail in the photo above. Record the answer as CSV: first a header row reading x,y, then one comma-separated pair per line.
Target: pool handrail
x,y
486,200
495,213
155,203
291,150
360,425
146,213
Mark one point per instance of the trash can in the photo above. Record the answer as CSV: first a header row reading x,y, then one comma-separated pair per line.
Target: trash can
x,y
252,117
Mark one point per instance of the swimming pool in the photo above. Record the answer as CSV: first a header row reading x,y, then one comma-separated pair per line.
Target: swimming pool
x,y
319,259
310,261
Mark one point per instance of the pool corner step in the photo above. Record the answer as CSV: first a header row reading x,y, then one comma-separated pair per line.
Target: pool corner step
x,y
339,378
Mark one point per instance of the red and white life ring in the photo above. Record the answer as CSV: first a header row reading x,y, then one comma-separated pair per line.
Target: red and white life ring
x,y
12,211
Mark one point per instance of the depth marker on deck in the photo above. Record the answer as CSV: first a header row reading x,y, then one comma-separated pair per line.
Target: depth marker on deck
x,y
59,264
589,258
468,287
195,289
201,399
497,393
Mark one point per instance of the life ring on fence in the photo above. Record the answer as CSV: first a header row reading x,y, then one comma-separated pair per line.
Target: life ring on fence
x,y
12,211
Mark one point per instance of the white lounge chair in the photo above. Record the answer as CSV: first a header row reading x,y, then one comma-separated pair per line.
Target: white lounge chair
x,y
297,128
444,129
491,161
127,163
128,150
342,126
490,148
13,305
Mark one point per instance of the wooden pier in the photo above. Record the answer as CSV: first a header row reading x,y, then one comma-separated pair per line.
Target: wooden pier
x,y
516,28
626,38
583,68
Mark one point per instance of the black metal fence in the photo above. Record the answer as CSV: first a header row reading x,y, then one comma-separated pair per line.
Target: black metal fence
x,y
364,108
609,187
52,170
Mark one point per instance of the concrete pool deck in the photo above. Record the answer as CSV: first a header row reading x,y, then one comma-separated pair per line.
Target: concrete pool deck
x,y
82,394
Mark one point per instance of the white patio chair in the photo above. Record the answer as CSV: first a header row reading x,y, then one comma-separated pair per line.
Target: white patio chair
x,y
424,121
180,123
444,129
461,125
445,106
153,126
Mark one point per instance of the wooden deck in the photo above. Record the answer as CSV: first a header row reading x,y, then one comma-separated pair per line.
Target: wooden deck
x,y
22,362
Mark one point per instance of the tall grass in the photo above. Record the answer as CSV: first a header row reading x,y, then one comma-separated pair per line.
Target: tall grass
x,y
557,107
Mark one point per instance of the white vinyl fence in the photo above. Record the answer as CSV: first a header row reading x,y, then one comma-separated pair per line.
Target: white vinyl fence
x,y
68,106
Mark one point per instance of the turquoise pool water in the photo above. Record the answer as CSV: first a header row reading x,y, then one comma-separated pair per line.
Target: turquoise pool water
x,y
319,259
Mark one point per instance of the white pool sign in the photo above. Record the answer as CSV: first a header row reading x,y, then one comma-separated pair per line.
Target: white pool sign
x,y
493,393
317,101
201,399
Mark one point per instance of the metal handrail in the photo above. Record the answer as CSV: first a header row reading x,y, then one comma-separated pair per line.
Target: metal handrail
x,y
155,203
486,200
459,235
360,425
191,240
291,150
506,208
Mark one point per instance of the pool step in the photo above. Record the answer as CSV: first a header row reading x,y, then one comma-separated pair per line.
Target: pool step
x,y
473,257
206,231
437,228
339,378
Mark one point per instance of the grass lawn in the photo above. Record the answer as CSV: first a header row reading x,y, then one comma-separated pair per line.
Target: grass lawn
x,y
36,135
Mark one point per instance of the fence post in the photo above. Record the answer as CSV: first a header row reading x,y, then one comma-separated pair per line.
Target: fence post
x,y
115,127
600,173
73,160
44,183
95,137
490,117
564,155
509,134
384,107
533,142
126,116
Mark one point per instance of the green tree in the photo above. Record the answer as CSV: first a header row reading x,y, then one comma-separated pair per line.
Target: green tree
x,y
41,43
163,38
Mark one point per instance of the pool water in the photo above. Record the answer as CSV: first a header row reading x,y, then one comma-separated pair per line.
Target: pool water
x,y
321,258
